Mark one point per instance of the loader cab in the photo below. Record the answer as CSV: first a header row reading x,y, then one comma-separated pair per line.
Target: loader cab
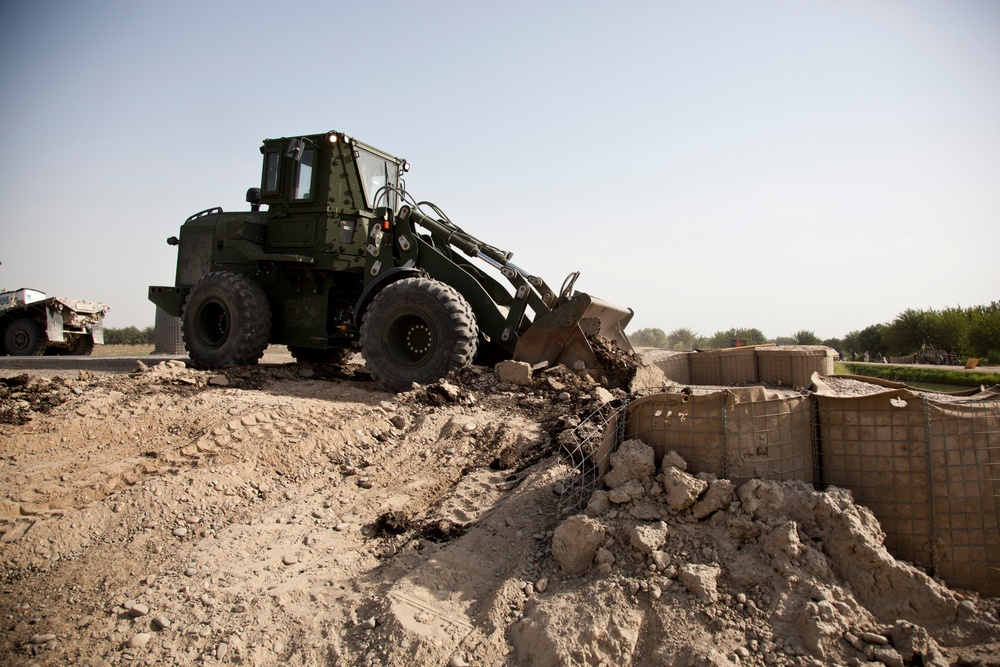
x,y
321,192
330,173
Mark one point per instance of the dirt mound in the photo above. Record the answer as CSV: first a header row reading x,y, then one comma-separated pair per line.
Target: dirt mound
x,y
772,572
296,515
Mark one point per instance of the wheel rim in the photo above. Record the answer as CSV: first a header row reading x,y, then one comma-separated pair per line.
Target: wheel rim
x,y
213,324
410,340
20,339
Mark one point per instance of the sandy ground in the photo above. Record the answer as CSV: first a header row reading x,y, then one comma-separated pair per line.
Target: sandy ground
x,y
292,515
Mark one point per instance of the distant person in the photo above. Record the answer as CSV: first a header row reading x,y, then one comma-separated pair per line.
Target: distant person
x,y
867,358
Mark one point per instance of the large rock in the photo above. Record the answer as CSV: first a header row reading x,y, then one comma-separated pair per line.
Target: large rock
x,y
674,459
633,460
718,496
762,499
783,544
575,542
682,489
514,372
598,504
627,492
915,645
648,538
702,580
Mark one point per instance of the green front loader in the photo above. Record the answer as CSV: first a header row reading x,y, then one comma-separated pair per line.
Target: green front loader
x,y
344,259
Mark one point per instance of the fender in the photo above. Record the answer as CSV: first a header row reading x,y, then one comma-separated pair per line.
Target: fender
x,y
374,287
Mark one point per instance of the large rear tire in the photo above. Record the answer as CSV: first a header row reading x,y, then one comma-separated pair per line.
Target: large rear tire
x,y
25,338
226,321
417,330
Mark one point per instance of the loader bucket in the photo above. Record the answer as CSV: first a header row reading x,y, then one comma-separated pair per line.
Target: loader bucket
x,y
560,335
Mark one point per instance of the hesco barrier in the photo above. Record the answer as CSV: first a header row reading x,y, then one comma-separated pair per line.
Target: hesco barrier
x,y
788,365
928,468
793,367
167,334
738,433
721,367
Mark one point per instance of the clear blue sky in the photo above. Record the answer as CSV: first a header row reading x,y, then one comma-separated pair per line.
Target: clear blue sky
x,y
778,165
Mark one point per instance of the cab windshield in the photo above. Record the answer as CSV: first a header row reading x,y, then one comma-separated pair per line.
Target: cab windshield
x,y
376,174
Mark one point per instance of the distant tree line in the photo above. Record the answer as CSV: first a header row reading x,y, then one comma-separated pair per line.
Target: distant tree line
x,y
129,336
686,339
966,332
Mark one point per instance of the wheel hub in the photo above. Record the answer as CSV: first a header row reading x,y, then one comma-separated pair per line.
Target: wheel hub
x,y
418,339
410,340
213,324
20,339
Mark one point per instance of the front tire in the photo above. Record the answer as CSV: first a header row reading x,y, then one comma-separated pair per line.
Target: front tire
x,y
25,338
417,330
226,321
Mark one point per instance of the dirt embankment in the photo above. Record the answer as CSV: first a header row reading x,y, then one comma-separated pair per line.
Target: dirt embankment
x,y
286,515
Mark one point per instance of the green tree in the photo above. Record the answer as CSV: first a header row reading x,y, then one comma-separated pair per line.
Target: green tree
x,y
723,339
949,330
649,338
784,340
683,339
852,345
129,336
909,332
804,337
870,340
984,332
835,343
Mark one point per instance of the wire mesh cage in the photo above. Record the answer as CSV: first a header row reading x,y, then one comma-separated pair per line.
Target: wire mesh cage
x,y
589,447
927,468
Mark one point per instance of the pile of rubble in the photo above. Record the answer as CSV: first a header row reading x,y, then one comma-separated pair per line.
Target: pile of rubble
x,y
772,573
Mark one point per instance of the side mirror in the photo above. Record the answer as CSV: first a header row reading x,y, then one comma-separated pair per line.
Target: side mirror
x,y
295,148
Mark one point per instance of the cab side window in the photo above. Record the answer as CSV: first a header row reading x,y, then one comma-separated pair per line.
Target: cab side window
x,y
271,162
304,174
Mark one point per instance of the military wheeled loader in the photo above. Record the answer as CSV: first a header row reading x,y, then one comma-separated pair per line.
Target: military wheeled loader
x,y
344,259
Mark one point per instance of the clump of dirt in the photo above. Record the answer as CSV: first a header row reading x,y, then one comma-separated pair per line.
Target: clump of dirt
x,y
22,396
393,522
620,366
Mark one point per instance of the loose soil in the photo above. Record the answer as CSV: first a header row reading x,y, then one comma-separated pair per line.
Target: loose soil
x,y
296,515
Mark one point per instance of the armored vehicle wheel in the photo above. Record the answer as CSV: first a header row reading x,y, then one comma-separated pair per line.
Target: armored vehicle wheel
x,y
83,345
416,330
314,356
226,321
25,338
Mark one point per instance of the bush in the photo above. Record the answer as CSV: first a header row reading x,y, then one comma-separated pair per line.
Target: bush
x,y
649,338
129,336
